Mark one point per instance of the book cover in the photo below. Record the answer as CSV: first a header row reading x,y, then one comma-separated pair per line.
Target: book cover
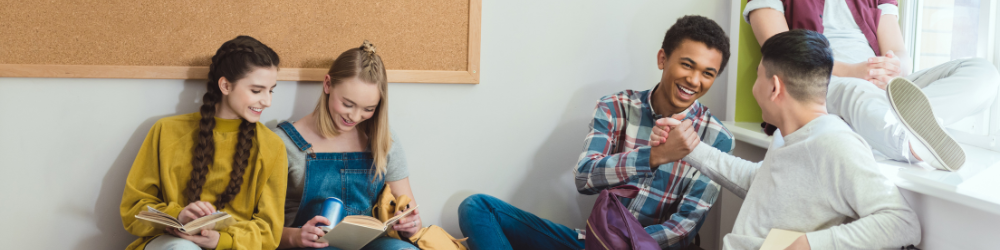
x,y
356,231
778,239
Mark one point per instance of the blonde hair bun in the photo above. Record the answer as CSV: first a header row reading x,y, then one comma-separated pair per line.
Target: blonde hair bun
x,y
368,47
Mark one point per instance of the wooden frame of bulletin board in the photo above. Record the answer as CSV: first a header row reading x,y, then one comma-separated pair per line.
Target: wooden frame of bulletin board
x,y
46,69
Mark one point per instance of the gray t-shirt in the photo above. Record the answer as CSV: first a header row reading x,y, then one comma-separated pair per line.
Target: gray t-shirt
x,y
395,170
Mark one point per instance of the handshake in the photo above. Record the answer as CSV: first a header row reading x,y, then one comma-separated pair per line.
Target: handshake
x,y
671,139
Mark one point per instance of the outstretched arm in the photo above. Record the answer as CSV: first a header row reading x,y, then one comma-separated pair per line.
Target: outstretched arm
x,y
729,171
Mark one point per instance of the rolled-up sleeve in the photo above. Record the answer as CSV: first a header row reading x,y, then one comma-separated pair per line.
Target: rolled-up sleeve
x,y
760,4
889,9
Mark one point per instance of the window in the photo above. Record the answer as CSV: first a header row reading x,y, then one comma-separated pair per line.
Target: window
x,y
938,31
945,30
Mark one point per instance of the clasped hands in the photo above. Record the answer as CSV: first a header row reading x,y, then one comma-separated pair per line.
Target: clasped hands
x,y
880,70
671,139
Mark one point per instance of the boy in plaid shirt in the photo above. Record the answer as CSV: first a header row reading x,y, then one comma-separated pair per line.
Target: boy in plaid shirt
x,y
674,197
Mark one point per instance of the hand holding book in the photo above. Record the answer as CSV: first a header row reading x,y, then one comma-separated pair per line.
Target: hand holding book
x,y
160,219
356,231
408,225
308,236
195,223
195,210
206,239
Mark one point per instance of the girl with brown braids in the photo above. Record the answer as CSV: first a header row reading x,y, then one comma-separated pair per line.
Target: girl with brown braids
x,y
221,159
344,149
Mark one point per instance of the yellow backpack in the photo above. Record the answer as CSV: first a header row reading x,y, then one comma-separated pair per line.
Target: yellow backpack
x,y
428,238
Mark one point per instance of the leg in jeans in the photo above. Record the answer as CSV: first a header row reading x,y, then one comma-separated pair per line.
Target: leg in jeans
x,y
493,224
169,242
866,108
959,88
380,243
388,243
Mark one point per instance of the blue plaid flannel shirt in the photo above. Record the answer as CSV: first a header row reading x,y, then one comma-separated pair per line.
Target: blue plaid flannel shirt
x,y
671,187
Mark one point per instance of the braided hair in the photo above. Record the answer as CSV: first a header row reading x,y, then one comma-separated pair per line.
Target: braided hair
x,y
233,61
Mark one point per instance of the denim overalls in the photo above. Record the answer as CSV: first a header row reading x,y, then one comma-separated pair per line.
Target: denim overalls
x,y
347,176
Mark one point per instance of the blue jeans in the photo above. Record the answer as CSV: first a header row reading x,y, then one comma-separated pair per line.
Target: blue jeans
x,y
166,241
494,224
381,243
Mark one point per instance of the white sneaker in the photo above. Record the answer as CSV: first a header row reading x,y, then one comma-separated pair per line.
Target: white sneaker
x,y
930,142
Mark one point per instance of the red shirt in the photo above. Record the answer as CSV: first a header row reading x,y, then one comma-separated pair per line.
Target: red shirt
x,y
808,14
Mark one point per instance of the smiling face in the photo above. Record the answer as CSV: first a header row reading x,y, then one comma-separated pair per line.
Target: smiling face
x,y
352,101
247,97
688,73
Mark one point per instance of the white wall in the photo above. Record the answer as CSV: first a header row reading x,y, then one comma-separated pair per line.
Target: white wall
x,y
66,145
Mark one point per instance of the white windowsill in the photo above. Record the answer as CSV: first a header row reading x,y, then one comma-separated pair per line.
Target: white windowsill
x,y
748,132
975,184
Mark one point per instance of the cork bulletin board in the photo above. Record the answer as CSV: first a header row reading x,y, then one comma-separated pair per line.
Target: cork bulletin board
x,y
428,41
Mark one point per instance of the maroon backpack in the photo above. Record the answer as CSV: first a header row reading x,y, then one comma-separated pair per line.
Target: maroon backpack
x,y
612,227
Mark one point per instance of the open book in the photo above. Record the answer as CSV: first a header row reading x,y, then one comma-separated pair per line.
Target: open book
x,y
160,219
779,239
355,231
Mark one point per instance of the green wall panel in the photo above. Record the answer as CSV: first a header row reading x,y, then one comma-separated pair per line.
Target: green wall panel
x,y
746,73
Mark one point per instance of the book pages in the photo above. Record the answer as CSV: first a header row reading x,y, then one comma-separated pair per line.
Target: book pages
x,y
159,219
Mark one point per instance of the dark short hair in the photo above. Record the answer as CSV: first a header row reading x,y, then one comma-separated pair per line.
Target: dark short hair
x,y
699,29
802,59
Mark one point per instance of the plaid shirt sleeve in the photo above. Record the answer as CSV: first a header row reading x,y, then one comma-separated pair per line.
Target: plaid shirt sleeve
x,y
715,133
675,232
599,168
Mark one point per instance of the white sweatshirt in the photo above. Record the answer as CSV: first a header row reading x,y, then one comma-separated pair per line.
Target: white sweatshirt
x,y
821,180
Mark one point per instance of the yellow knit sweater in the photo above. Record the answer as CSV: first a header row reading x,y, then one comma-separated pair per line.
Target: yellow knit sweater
x,y
160,174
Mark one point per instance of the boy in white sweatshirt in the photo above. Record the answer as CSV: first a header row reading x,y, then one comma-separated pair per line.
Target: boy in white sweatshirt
x,y
818,176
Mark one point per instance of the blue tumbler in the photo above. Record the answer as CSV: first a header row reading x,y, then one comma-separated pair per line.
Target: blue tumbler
x,y
333,210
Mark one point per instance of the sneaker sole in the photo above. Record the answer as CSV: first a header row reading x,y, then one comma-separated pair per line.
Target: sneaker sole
x,y
914,110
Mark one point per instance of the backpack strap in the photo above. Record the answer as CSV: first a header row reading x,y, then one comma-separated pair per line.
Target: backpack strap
x,y
627,191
